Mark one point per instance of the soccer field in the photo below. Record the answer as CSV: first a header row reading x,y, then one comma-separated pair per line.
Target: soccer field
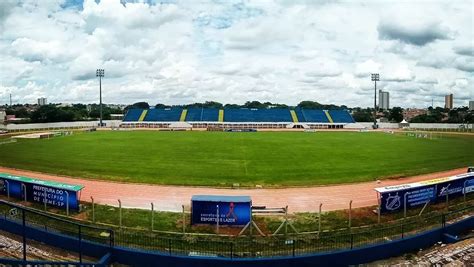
x,y
222,159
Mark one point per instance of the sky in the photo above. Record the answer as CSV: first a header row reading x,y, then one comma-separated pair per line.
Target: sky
x,y
283,51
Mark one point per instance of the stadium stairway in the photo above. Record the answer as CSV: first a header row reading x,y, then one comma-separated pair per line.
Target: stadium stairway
x,y
183,115
143,115
294,116
329,116
221,115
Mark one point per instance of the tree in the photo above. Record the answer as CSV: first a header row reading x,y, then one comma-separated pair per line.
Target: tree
x,y
396,114
51,113
254,104
161,106
309,104
363,115
138,105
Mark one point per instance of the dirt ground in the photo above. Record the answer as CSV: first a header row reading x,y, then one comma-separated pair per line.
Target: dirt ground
x,y
170,198
457,254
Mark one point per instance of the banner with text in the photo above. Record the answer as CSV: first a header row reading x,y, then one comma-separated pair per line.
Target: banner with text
x,y
55,194
227,211
394,198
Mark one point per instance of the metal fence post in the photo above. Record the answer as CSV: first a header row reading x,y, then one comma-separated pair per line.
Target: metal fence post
x,y
8,190
352,240
120,213
67,203
350,216
93,211
184,220
217,219
44,199
447,201
152,215
319,218
403,230
80,243
464,191
294,242
24,234
378,214
169,245
24,190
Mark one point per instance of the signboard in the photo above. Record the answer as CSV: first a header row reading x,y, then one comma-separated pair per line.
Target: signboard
x,y
227,209
394,198
56,194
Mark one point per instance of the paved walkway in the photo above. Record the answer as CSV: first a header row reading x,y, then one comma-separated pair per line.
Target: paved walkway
x,y
170,198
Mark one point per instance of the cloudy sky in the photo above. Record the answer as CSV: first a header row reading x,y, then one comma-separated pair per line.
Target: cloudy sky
x,y
284,51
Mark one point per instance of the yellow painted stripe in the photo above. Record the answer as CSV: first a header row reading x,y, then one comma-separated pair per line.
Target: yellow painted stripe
x,y
183,115
329,116
293,116
221,115
142,117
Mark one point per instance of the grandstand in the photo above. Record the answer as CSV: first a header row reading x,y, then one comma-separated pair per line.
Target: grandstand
x,y
238,118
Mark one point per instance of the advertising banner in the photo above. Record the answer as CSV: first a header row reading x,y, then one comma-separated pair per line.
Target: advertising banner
x,y
228,210
57,194
394,198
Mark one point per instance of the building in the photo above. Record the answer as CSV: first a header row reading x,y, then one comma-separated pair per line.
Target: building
x,y
3,116
410,113
384,101
448,101
42,101
471,105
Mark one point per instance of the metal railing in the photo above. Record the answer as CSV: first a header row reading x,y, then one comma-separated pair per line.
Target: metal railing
x,y
235,247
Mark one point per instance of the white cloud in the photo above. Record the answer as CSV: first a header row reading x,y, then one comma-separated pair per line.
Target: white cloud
x,y
232,51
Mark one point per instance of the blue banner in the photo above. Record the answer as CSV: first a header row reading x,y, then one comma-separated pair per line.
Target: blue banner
x,y
228,213
394,198
55,197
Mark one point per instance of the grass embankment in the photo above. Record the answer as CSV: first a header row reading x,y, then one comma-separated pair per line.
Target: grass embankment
x,y
222,159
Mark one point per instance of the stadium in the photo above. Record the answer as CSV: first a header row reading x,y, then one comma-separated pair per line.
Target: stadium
x,y
285,164
274,118
236,133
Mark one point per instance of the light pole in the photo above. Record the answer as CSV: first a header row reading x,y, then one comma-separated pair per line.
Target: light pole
x,y
100,73
375,78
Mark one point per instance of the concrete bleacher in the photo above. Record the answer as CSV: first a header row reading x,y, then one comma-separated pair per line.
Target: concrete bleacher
x,y
311,115
257,115
202,114
165,114
133,115
341,116
244,115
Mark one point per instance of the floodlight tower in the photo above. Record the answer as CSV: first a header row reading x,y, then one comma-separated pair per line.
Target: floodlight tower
x,y
375,77
100,73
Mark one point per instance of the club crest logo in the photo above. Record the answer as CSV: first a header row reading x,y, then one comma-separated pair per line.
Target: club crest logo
x,y
393,202
444,190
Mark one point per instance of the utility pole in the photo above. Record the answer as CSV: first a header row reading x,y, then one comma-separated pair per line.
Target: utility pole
x,y
375,77
100,73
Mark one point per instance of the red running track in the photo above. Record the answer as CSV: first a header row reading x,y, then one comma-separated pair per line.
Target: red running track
x,y
170,198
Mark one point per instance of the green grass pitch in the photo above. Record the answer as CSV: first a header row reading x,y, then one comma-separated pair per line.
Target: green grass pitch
x,y
221,159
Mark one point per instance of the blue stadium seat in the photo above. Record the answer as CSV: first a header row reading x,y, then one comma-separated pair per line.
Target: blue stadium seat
x,y
202,114
311,115
341,116
166,114
257,115
133,114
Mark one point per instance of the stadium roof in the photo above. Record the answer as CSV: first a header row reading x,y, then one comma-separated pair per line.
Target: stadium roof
x,y
212,198
53,184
